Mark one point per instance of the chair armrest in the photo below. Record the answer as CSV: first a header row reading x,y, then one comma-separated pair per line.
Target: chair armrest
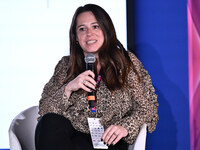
x,y
13,140
140,142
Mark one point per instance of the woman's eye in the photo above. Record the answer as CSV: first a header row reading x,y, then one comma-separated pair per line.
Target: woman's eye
x,y
81,29
96,26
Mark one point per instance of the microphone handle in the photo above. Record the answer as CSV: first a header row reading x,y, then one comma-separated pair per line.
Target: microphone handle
x,y
90,66
91,95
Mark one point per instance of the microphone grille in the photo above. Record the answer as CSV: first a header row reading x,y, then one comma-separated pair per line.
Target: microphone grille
x,y
90,58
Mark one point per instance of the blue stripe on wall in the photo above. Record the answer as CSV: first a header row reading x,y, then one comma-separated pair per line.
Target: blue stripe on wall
x,y
160,41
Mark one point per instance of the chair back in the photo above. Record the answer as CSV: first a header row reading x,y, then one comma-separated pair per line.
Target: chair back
x,y
22,130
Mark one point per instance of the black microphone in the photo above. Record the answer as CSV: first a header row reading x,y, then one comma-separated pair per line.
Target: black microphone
x,y
90,61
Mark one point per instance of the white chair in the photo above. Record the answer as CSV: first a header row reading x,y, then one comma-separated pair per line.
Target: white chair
x,y
140,142
22,131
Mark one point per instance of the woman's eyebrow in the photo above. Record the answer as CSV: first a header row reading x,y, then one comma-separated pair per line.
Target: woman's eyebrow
x,y
95,23
79,26
84,25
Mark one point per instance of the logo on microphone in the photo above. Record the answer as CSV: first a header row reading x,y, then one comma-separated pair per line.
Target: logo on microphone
x,y
90,58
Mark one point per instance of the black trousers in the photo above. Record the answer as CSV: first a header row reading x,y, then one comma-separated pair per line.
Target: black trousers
x,y
55,132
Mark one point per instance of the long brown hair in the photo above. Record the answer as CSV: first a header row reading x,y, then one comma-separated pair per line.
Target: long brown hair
x,y
114,60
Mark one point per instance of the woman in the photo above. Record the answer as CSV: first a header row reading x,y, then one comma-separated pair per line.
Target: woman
x,y
125,95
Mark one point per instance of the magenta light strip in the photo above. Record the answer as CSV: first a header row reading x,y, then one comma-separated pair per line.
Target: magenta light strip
x,y
194,75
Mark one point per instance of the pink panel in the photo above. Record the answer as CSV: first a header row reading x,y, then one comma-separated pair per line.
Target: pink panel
x,y
194,76
194,6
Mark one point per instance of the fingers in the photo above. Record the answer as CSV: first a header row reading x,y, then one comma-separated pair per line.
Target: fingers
x,y
89,73
110,135
87,81
83,81
113,134
114,140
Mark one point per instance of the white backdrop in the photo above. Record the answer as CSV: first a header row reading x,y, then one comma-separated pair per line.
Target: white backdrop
x,y
33,38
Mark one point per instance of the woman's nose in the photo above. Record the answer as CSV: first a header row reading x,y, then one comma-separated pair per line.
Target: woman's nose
x,y
89,32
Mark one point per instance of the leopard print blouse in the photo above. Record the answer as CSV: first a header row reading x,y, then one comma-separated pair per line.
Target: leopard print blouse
x,y
127,107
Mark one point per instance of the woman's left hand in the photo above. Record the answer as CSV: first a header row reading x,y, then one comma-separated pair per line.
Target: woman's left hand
x,y
113,134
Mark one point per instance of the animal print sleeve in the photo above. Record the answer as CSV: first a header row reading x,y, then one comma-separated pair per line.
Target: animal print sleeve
x,y
52,96
144,103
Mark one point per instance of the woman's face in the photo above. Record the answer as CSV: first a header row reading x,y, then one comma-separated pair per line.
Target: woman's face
x,y
89,33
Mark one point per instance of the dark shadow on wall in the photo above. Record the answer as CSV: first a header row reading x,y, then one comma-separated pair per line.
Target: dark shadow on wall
x,y
165,136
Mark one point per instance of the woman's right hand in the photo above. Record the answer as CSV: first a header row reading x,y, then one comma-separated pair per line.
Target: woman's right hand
x,y
83,81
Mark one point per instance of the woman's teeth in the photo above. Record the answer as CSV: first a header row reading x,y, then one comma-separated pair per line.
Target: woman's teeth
x,y
90,42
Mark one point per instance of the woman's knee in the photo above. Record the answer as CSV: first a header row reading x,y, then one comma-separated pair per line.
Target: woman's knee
x,y
52,121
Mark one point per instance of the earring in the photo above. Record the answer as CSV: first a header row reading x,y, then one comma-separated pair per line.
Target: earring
x,y
77,43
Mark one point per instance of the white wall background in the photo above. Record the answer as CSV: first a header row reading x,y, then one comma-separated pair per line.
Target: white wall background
x,y
33,38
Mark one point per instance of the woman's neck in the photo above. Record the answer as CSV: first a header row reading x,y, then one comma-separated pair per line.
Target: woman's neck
x,y
98,66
